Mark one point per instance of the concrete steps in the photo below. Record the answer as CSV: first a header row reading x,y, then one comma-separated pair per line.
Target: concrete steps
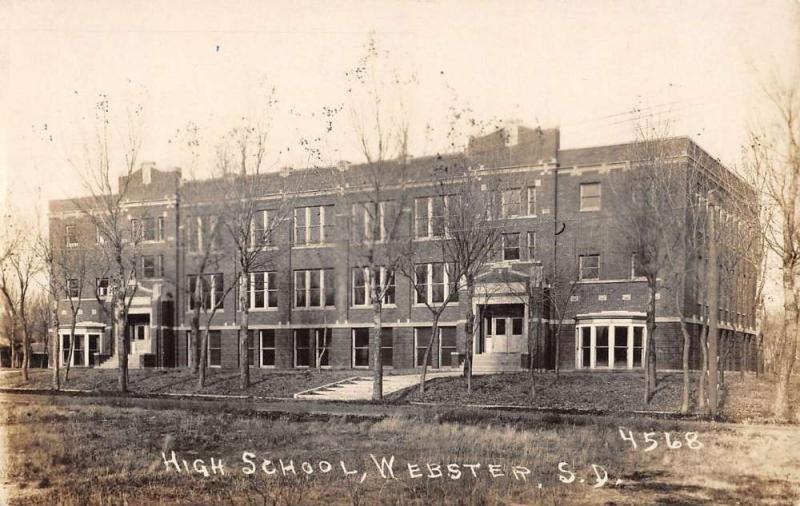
x,y
491,363
359,388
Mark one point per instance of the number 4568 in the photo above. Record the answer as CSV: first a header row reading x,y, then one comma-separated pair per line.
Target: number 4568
x,y
650,440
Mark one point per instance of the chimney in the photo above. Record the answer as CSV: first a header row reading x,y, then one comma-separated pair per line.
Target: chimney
x,y
147,172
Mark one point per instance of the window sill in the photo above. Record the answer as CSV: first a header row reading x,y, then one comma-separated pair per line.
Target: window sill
x,y
266,367
263,248
589,210
312,246
261,310
313,308
369,306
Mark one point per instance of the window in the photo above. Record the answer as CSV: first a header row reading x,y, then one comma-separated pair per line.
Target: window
x,y
73,288
432,283
589,266
612,345
531,201
361,347
590,197
147,229
585,338
267,339
313,225
212,291
93,348
251,349
387,347
422,336
637,270
510,246
363,224
261,230
101,286
447,347
430,217
510,202
323,338
362,286
388,286
152,266
303,339
263,290
601,346
531,245
620,347
71,236
77,353
214,348
638,346
64,349
194,232
314,288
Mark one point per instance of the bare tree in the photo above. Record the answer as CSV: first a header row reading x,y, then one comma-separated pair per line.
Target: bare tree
x,y
241,184
17,277
472,233
775,157
105,209
48,256
646,215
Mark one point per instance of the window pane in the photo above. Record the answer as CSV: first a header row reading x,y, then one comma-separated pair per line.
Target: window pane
x,y
267,338
516,326
387,347
620,347
323,346
330,287
637,346
300,288
601,346
500,326
361,337
421,216
510,246
314,289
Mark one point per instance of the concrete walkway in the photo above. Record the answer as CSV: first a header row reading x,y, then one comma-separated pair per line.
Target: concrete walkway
x,y
360,388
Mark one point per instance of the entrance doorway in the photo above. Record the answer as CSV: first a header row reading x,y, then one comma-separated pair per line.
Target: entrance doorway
x,y
502,329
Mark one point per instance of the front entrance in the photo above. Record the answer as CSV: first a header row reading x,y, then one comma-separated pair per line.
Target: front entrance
x,y
503,329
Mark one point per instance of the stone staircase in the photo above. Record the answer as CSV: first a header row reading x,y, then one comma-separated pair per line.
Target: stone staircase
x,y
492,363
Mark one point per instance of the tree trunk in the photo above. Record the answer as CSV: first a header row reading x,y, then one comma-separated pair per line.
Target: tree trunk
x,y
202,363
469,331
702,380
56,351
434,331
194,339
13,340
71,353
244,363
650,360
686,379
557,349
377,343
122,344
781,407
712,284
26,348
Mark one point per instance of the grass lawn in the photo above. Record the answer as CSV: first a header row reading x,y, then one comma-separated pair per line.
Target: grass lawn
x,y
266,383
79,454
747,399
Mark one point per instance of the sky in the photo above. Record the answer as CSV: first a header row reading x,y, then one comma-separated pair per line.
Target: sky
x,y
582,66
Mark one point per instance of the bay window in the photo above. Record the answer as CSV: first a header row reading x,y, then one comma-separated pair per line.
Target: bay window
x,y
609,345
